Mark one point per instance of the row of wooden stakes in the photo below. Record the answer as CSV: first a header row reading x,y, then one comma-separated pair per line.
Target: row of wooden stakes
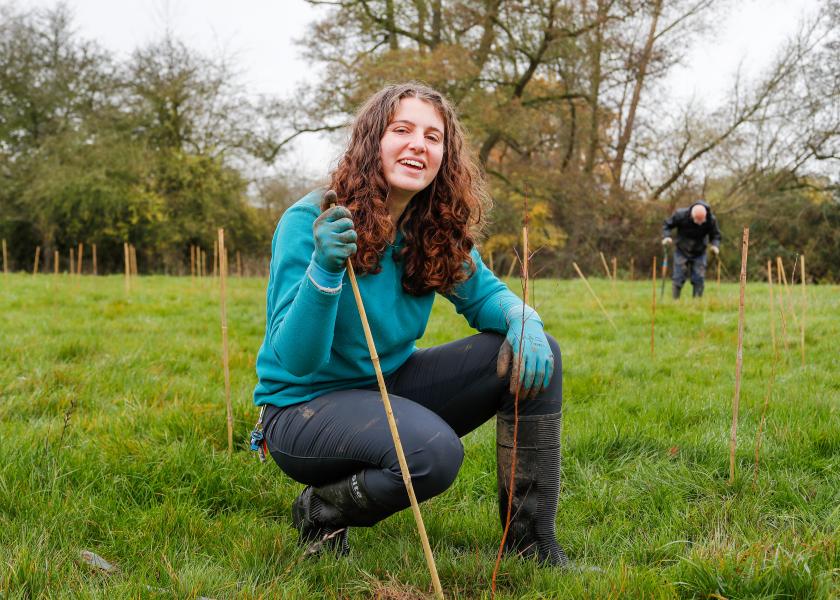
x,y
198,260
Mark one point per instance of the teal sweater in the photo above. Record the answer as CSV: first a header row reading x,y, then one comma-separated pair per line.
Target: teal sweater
x,y
314,342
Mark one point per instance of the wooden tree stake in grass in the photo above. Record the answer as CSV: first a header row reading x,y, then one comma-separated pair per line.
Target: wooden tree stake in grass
x,y
79,266
37,260
225,361
55,262
772,378
594,295
127,268
5,258
606,266
653,309
72,261
632,268
614,268
132,256
330,200
780,265
215,256
804,310
739,356
238,264
93,249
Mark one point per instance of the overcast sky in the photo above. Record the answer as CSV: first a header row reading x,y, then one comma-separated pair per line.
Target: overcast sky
x,y
260,35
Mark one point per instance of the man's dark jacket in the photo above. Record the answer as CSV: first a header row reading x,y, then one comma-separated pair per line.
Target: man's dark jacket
x,y
691,237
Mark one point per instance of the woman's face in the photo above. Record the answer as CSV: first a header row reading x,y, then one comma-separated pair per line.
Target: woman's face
x,y
411,148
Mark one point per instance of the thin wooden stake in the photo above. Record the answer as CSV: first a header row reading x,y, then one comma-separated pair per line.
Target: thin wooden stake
x,y
72,261
772,378
203,263
127,268
225,361
804,310
392,423
653,309
238,264
132,255
512,266
614,268
632,268
606,266
5,259
93,249
79,265
37,260
739,356
215,256
594,295
55,262
772,307
780,265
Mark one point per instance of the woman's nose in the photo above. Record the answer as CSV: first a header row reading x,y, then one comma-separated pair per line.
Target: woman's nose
x,y
418,143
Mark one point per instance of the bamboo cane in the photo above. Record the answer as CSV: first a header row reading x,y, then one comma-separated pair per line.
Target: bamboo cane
x,y
771,380
512,266
72,261
55,262
606,266
653,309
133,256
5,259
79,258
804,310
330,199
37,260
127,268
780,265
739,357
225,359
93,249
594,295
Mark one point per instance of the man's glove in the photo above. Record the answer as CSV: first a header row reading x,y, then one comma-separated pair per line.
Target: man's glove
x,y
335,239
667,241
715,250
534,372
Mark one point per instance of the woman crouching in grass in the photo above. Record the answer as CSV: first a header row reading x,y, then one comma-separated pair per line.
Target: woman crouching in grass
x,y
410,202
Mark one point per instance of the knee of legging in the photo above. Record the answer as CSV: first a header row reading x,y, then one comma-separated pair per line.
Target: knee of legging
x,y
555,351
434,467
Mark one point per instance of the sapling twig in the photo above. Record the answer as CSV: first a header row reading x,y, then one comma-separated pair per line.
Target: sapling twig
x,y
225,358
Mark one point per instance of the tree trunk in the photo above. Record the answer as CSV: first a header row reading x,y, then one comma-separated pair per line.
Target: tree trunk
x,y
627,129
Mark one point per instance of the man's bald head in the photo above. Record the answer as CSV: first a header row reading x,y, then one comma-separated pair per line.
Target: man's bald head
x,y
698,214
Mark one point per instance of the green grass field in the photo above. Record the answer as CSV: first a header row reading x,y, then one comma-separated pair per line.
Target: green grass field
x,y
113,439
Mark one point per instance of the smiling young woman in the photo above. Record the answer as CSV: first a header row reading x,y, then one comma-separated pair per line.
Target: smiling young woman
x,y
411,206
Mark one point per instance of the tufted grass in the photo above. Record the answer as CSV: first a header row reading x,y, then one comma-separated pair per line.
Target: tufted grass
x,y
113,439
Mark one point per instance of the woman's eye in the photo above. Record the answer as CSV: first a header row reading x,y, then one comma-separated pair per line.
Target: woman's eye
x,y
400,129
433,138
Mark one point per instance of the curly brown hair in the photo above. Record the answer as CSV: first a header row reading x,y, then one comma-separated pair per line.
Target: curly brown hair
x,y
442,221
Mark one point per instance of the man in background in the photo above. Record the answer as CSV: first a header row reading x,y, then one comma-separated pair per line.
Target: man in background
x,y
696,228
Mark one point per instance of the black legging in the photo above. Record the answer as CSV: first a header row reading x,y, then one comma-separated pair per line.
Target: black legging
x,y
438,395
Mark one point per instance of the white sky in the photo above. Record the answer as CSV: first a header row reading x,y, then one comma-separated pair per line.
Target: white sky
x,y
260,35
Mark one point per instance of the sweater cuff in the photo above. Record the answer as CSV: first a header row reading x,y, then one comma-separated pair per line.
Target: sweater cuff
x,y
324,280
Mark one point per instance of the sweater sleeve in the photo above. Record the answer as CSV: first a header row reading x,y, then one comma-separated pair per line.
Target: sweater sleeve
x,y
483,299
668,225
300,314
714,236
